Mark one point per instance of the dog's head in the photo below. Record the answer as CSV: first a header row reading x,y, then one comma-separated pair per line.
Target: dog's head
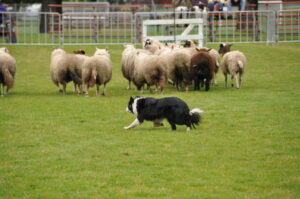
x,y
132,105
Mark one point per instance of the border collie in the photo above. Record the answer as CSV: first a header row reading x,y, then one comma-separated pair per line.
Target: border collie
x,y
173,109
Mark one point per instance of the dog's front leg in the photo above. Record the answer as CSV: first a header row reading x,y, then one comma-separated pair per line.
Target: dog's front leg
x,y
135,123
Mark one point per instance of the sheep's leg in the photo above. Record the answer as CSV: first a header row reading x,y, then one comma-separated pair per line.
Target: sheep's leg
x,y
197,84
64,88
75,88
225,75
129,85
186,88
1,92
104,90
97,90
236,81
240,80
232,77
207,84
86,90
79,89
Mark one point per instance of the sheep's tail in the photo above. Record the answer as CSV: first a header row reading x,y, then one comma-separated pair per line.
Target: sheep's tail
x,y
93,78
240,64
162,78
8,78
195,116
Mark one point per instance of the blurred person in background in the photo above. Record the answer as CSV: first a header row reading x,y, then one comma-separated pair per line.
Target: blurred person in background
x,y
2,10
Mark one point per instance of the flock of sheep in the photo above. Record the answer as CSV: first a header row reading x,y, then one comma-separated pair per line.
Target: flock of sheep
x,y
154,65
181,65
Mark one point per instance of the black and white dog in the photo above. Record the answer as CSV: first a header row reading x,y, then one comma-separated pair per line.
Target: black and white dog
x,y
173,109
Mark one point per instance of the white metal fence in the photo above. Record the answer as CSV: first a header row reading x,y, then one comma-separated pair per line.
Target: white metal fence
x,y
126,27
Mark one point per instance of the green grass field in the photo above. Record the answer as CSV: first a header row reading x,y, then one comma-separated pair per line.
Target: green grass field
x,y
55,146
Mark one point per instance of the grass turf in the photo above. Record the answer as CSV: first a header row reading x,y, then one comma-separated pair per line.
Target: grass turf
x,y
55,146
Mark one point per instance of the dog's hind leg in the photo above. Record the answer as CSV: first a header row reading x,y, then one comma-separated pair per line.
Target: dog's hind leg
x,y
157,123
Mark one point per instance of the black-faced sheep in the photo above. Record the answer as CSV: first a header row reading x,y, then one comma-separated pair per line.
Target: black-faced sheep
x,y
7,70
233,63
79,52
202,68
65,68
97,70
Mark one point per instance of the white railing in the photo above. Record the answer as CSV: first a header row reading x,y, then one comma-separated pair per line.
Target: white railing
x,y
125,27
183,36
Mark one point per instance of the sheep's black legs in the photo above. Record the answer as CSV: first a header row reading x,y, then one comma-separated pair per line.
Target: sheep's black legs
x,y
197,84
207,83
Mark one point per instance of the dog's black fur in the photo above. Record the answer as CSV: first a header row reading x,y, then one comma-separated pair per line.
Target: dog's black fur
x,y
173,109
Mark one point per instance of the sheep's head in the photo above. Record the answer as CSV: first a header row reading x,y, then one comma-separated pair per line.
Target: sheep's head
x,y
152,45
101,52
148,42
57,51
4,50
80,52
224,48
189,44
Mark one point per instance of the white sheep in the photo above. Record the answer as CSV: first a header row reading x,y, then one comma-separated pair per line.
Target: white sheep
x,y
128,57
7,70
97,69
233,63
64,68
150,70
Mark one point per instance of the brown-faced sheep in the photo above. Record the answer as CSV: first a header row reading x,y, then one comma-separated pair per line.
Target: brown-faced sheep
x,y
233,63
7,70
97,70
202,68
150,70
65,68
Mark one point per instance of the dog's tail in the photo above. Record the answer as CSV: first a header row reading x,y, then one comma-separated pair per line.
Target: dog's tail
x,y
195,116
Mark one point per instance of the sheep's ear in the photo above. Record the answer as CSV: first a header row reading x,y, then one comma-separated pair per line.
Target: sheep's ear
x,y
6,50
208,49
197,49
221,45
106,49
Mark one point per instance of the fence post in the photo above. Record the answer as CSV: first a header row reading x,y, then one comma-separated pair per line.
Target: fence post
x,y
271,27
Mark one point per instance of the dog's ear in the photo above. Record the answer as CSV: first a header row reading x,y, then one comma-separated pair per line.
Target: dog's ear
x,y
131,100
141,103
